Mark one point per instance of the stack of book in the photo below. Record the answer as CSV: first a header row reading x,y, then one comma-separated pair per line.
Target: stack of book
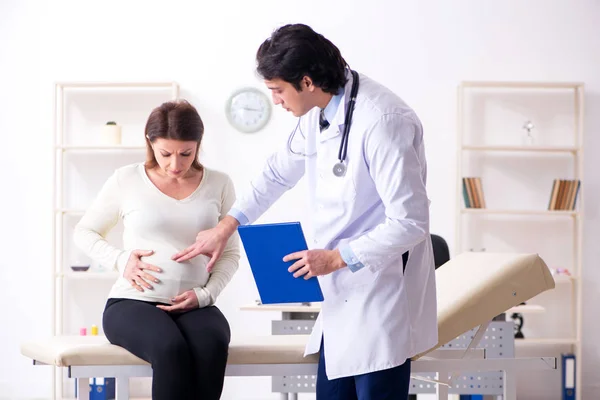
x,y
564,194
473,192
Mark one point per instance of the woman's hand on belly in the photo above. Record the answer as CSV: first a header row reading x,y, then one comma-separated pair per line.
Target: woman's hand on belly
x,y
134,270
184,302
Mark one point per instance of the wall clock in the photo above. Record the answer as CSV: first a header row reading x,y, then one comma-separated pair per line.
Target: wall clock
x,y
248,110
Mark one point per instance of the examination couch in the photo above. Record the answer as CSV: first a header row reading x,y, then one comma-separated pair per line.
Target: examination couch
x,y
472,288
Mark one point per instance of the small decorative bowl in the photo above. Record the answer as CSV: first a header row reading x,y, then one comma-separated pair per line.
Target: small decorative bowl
x,y
80,268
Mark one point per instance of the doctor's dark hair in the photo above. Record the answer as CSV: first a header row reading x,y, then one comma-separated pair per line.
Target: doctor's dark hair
x,y
295,51
177,120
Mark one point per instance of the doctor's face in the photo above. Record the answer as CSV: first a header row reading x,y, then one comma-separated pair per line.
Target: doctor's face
x,y
286,95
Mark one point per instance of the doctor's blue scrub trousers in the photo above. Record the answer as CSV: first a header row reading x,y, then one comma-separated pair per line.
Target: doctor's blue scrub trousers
x,y
387,384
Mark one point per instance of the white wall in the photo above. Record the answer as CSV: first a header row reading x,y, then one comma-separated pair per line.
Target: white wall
x,y
420,49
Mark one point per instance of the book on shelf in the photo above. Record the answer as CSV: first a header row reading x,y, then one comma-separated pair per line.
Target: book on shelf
x,y
564,194
473,192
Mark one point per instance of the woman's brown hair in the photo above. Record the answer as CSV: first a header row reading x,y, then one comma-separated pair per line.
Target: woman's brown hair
x,y
177,120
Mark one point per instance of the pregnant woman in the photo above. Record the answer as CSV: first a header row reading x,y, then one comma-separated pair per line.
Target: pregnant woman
x,y
161,310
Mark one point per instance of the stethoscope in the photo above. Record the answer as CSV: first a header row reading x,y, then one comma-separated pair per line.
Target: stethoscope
x,y
339,168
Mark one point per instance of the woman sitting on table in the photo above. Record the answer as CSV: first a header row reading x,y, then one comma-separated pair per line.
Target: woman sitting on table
x,y
161,310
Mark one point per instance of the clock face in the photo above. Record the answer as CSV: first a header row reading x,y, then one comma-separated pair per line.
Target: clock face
x,y
248,110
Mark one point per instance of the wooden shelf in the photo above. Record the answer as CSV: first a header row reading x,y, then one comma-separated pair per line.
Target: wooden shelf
x,y
562,278
545,341
68,211
88,275
316,307
533,213
139,85
130,398
546,149
313,308
526,309
522,85
120,147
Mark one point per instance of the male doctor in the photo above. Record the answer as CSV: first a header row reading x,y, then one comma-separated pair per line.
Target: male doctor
x,y
372,251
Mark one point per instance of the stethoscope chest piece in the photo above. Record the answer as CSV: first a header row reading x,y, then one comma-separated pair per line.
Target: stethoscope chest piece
x,y
339,169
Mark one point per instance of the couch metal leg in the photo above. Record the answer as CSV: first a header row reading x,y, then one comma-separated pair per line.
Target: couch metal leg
x,y
122,389
441,390
83,389
510,385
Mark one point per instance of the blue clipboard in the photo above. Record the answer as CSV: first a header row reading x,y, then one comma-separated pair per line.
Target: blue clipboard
x,y
265,246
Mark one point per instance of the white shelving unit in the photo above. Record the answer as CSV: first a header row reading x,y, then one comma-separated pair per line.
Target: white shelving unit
x,y
517,172
82,163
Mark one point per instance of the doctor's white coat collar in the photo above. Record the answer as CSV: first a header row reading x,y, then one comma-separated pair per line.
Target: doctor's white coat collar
x,y
336,123
331,109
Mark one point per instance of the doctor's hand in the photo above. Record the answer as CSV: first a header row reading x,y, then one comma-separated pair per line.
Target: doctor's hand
x,y
134,270
184,302
312,263
210,242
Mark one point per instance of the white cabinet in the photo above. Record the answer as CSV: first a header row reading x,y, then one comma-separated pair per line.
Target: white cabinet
x,y
86,153
518,137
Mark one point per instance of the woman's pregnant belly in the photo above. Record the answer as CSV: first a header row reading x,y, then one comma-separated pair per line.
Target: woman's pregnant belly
x,y
174,277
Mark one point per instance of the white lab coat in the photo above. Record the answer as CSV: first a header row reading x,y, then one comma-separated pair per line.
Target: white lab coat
x,y
377,317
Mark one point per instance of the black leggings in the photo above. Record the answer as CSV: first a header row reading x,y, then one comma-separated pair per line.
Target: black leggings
x,y
187,351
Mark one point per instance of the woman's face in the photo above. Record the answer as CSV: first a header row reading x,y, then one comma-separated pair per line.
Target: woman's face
x,y
174,157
